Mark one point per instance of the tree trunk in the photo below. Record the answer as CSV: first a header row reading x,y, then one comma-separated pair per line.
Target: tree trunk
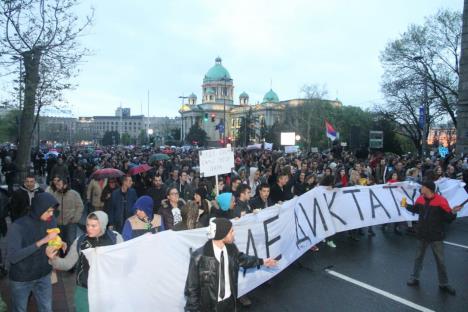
x,y
462,118
31,61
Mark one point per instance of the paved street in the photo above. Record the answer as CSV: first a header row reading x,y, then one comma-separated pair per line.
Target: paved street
x,y
383,262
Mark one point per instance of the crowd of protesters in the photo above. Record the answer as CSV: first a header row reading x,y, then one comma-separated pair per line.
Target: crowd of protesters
x,y
171,195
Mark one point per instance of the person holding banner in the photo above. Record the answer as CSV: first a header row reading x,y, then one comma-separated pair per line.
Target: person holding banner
x,y
434,211
212,277
96,235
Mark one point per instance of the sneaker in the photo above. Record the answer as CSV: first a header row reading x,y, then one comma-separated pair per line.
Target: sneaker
x,y
412,282
448,289
314,248
245,301
331,244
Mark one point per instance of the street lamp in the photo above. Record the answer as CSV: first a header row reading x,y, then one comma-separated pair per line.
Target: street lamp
x,y
298,137
182,119
425,108
225,79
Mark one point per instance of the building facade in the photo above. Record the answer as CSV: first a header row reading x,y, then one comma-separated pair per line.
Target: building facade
x,y
217,104
74,130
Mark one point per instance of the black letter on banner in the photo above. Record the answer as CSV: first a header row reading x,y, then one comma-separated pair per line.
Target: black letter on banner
x,y
355,201
268,243
329,205
312,228
391,187
373,206
304,236
412,197
250,239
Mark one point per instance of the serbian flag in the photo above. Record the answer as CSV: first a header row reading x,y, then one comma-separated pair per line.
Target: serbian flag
x,y
330,131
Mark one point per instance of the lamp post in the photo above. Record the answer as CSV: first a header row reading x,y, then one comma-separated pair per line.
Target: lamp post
x,y
425,129
225,79
182,119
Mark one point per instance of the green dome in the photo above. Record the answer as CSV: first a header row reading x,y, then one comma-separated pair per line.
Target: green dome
x,y
270,96
192,96
217,72
243,95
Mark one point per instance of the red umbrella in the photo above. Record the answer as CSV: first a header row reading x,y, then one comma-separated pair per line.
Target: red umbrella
x,y
140,169
107,173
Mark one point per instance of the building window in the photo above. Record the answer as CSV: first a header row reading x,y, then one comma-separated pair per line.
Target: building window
x,y
225,91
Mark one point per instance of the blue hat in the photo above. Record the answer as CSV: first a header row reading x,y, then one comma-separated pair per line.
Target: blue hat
x,y
144,203
224,201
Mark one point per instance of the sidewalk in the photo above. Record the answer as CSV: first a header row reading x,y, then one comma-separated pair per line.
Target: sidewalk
x,y
62,293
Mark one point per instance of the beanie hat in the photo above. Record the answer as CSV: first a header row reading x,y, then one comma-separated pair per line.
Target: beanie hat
x,y
219,228
144,203
224,201
429,184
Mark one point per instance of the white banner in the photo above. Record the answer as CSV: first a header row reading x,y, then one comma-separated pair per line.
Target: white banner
x,y
149,272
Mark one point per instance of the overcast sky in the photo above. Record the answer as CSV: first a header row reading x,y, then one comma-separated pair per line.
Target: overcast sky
x,y
166,47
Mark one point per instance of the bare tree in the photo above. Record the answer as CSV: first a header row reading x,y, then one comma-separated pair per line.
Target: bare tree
x,y
428,55
43,35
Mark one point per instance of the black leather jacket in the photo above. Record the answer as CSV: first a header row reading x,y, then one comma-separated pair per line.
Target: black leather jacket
x,y
201,287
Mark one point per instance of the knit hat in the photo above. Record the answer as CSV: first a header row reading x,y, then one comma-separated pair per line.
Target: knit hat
x,y
429,184
219,228
224,201
144,203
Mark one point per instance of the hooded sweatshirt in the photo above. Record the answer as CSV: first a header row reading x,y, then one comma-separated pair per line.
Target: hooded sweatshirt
x,y
28,262
75,255
134,226
20,202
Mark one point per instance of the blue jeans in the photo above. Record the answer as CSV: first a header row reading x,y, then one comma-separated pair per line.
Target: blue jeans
x,y
42,292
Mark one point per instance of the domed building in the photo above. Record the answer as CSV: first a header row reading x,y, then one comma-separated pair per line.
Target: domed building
x,y
217,104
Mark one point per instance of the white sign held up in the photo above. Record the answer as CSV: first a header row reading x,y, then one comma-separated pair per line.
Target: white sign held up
x,y
216,161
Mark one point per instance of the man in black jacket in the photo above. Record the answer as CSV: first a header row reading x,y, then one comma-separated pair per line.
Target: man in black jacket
x,y
281,191
29,266
9,171
262,200
242,205
20,201
213,272
434,211
157,192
